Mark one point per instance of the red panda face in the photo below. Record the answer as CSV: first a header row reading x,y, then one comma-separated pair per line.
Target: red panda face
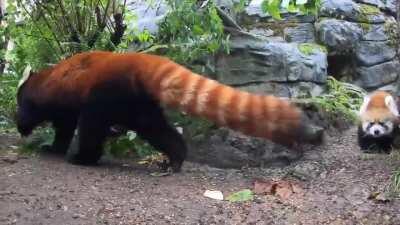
x,y
378,128
379,114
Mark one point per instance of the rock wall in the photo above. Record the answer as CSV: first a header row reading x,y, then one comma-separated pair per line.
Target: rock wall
x,y
360,37
365,33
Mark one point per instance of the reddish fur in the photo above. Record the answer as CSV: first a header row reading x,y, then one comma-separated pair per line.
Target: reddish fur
x,y
71,80
377,109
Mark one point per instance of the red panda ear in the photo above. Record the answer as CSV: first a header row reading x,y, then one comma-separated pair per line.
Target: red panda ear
x,y
25,75
391,104
364,105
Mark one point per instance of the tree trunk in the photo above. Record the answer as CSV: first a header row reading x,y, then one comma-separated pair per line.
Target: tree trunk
x,y
3,40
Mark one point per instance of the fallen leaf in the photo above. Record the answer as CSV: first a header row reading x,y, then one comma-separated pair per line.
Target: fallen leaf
x,y
160,174
263,187
373,195
214,195
379,197
283,189
241,196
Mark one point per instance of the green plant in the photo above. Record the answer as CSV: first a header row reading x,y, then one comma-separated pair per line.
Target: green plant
x,y
8,90
45,32
191,31
396,181
129,144
35,142
239,6
275,7
341,99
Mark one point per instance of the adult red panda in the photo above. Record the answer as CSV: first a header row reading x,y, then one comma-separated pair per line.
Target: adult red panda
x,y
95,90
379,121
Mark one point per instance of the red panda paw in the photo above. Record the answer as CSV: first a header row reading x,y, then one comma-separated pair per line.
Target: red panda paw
x,y
169,167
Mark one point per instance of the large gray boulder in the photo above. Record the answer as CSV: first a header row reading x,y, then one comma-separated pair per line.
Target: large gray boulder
x,y
224,148
369,53
375,33
300,33
378,75
338,35
272,62
377,3
390,6
351,11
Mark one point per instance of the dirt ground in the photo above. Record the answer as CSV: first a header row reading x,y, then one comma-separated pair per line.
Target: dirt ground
x,y
336,181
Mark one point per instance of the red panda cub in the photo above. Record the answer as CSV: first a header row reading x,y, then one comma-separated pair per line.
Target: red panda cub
x,y
94,91
378,122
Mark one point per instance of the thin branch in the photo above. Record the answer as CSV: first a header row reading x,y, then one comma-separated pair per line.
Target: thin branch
x,y
74,34
54,19
78,19
51,30
119,29
41,32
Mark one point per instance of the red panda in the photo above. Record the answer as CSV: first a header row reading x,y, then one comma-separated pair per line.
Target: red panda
x,y
379,121
96,90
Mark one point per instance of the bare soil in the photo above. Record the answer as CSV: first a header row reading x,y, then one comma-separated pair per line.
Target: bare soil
x,y
336,181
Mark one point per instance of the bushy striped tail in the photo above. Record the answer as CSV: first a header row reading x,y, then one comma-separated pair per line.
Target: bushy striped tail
x,y
256,115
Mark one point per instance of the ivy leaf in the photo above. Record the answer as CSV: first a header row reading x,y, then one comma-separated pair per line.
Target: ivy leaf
x,y
241,196
292,8
272,7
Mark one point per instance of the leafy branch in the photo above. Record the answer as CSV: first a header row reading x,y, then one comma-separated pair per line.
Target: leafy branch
x,y
276,7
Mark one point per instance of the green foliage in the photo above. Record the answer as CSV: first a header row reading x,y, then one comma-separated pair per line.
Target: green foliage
x,y
240,6
341,99
190,31
396,181
41,137
196,128
129,144
44,33
276,7
8,90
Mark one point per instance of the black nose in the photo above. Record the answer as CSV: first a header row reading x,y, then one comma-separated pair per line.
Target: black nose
x,y
376,132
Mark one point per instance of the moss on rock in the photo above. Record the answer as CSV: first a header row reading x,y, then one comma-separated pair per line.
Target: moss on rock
x,y
310,48
390,29
365,26
365,11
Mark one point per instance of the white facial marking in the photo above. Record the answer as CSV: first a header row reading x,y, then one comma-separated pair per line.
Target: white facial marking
x,y
378,129
25,75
